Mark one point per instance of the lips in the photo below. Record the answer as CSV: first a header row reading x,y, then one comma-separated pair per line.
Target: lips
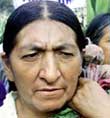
x,y
49,89
50,92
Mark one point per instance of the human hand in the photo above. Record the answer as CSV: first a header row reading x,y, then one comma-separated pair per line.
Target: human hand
x,y
90,100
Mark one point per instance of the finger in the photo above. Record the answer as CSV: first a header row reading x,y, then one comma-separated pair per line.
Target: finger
x,y
83,81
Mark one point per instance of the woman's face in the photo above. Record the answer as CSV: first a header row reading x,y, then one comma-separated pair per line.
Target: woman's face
x,y
105,44
45,64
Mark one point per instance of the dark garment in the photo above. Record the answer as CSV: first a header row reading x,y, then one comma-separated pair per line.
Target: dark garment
x,y
2,92
4,85
3,76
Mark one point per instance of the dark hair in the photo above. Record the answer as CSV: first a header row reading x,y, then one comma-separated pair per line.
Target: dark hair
x,y
32,11
96,27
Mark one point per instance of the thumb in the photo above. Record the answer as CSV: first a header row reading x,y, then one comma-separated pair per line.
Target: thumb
x,y
83,81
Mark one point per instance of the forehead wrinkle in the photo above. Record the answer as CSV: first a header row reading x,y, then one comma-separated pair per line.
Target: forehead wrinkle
x,y
31,47
50,29
62,29
64,46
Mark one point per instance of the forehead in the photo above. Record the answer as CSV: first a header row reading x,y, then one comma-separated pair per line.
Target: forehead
x,y
106,34
107,29
46,32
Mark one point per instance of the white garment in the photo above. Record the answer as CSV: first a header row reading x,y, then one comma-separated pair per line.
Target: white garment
x,y
8,109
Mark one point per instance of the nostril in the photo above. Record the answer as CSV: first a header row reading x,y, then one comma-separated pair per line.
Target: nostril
x,y
49,76
42,73
58,74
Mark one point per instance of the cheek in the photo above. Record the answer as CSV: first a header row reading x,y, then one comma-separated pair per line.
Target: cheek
x,y
70,73
25,70
71,82
106,50
25,75
72,69
107,57
107,53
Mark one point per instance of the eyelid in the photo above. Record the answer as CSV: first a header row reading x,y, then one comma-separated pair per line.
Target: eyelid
x,y
69,51
34,51
29,54
65,53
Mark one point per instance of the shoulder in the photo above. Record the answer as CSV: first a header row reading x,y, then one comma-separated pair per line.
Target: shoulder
x,y
8,109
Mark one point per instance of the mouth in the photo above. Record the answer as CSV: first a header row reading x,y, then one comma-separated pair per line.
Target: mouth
x,y
49,89
50,92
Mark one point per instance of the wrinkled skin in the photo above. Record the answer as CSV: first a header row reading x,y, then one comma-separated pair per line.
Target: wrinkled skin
x,y
44,64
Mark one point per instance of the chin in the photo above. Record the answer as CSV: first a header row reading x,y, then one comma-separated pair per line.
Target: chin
x,y
51,106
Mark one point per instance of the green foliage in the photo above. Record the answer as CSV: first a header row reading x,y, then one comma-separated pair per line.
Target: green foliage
x,y
95,7
6,5
3,18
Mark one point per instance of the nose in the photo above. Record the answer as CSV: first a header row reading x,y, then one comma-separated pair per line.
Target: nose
x,y
49,69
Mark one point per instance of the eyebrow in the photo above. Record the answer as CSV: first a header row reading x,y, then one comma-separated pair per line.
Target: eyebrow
x,y
55,48
32,47
65,46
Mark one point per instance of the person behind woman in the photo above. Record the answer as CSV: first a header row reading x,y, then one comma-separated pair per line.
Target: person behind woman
x,y
99,33
42,44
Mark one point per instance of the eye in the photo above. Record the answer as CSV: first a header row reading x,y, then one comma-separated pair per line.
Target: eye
x,y
66,54
32,56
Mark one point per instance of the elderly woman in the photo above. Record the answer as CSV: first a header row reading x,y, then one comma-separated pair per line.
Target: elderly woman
x,y
42,44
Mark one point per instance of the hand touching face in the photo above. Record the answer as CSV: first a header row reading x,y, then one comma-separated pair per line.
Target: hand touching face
x,y
91,100
45,64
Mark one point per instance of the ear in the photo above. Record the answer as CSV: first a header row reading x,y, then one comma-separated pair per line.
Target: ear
x,y
7,66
